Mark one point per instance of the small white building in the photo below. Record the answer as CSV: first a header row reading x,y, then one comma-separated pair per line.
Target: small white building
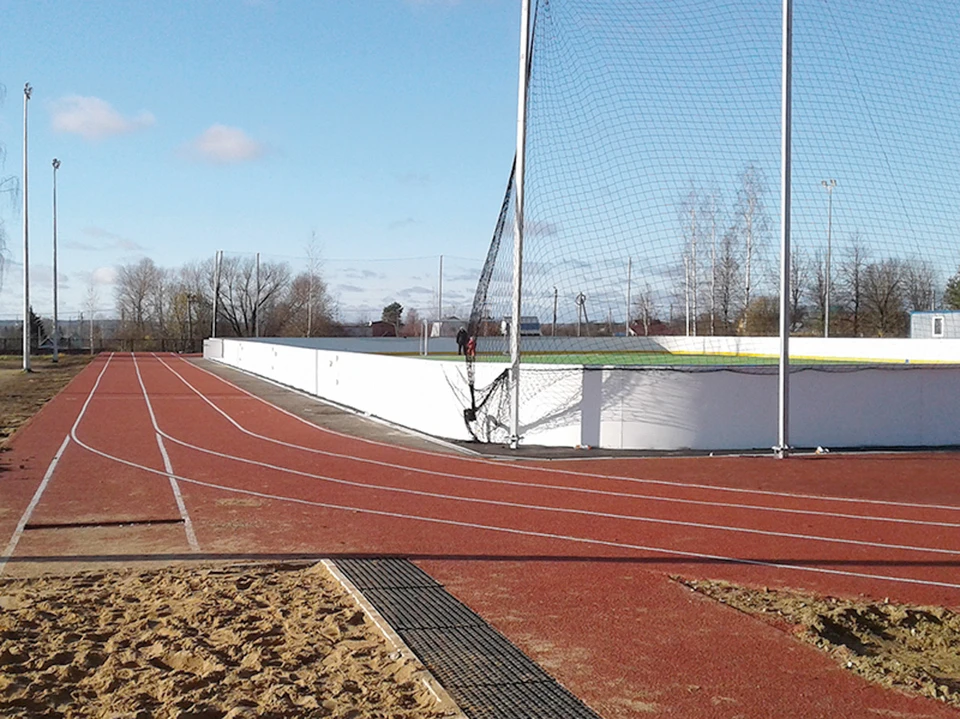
x,y
935,324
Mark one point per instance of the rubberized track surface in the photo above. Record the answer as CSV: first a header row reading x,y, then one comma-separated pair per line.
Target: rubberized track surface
x,y
150,458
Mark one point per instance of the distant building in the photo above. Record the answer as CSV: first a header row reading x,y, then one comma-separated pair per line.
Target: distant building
x,y
529,326
382,329
939,324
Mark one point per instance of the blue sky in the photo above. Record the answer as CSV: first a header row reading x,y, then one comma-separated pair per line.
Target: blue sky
x,y
388,127
385,126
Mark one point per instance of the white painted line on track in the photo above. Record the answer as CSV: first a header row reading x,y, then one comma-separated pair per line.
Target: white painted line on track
x,y
28,512
559,510
168,466
21,525
573,473
525,532
553,487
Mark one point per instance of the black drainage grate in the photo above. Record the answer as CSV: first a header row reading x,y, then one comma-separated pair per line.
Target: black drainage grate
x,y
486,675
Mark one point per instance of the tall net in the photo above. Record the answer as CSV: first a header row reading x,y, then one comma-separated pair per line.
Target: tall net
x,y
652,192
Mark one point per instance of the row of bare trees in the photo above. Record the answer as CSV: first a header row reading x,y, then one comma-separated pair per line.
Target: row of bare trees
x,y
172,309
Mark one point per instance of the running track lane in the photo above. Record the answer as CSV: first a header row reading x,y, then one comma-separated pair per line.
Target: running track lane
x,y
925,554
91,504
577,608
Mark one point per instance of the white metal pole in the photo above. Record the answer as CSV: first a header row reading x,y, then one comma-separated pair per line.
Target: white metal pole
x,y
27,91
626,329
218,258
518,225
829,184
256,303
686,295
783,442
56,324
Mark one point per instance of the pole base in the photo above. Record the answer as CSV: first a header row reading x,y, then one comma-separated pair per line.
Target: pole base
x,y
514,441
781,451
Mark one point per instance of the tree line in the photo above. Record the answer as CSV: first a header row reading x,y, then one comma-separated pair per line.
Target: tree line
x,y
727,285
172,308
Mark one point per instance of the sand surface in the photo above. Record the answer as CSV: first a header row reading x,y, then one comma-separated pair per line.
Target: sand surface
x,y
239,641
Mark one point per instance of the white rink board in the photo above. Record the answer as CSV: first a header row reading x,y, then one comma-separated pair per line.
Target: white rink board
x,y
657,409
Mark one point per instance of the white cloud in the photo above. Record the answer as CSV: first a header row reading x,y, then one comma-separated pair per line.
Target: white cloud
x,y
223,145
95,119
104,276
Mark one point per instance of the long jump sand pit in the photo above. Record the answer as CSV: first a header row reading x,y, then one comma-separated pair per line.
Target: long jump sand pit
x,y
211,642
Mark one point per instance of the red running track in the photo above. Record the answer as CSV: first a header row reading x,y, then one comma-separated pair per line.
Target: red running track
x,y
572,560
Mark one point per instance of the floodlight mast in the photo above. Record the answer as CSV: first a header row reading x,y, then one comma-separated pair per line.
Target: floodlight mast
x,y
56,325
27,92
518,224
783,435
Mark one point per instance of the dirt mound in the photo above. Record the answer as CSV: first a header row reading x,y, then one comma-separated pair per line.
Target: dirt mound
x,y
916,649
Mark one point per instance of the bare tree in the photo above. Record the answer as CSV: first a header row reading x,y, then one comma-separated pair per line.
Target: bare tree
x,y
852,270
239,299
799,288
91,304
9,187
727,285
645,308
751,226
136,296
920,285
818,287
883,297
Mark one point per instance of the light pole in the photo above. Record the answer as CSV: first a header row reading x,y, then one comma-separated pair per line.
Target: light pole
x,y
56,326
828,185
27,91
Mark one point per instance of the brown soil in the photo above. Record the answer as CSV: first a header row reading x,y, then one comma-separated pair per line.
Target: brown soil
x,y
241,641
22,394
916,649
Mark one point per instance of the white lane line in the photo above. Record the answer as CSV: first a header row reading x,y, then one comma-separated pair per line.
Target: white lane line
x,y
28,512
525,532
168,466
553,487
559,510
573,473
21,525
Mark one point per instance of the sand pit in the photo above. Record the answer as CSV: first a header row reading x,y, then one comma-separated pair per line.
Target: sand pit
x,y
239,641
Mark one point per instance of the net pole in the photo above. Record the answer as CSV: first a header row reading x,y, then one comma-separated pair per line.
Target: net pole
x,y
783,439
518,226
440,294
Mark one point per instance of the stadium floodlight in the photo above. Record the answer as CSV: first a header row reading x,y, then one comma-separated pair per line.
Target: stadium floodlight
x,y
56,326
27,92
828,185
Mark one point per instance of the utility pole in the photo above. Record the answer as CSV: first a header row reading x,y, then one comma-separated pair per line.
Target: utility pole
x,y
440,294
555,298
56,325
626,322
828,185
27,91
